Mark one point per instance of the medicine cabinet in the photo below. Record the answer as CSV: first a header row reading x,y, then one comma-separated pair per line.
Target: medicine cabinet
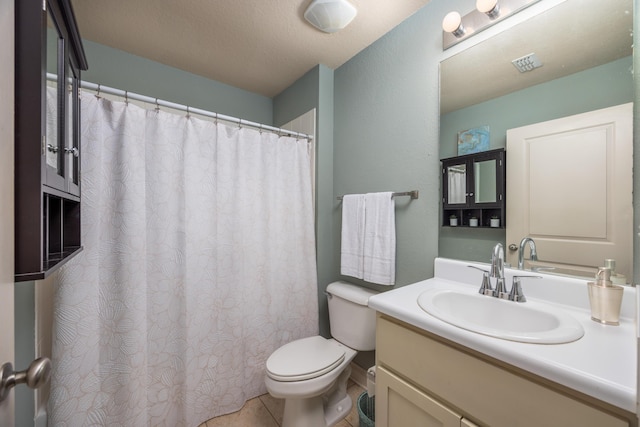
x,y
473,190
47,136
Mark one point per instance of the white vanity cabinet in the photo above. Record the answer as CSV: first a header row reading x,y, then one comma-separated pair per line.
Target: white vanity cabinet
x,y
423,379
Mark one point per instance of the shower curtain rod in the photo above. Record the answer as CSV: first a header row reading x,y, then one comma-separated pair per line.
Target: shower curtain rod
x,y
180,107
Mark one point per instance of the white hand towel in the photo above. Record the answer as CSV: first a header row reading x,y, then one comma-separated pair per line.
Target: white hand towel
x,y
380,239
352,243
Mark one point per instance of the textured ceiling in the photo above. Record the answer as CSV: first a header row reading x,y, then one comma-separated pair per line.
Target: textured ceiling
x,y
261,46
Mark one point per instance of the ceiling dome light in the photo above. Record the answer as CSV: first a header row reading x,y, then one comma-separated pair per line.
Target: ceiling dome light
x,y
330,15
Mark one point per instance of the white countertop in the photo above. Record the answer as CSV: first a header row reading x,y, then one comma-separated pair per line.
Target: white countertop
x,y
602,364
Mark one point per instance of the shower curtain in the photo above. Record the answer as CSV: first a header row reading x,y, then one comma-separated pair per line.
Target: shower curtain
x,y
198,262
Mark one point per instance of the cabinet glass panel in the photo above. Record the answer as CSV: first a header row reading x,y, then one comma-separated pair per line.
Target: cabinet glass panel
x,y
457,184
485,181
72,149
54,154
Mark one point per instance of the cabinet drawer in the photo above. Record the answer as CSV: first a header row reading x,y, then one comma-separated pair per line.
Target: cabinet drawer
x,y
479,390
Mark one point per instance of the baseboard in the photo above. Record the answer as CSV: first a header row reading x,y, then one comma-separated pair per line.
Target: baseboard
x,y
359,375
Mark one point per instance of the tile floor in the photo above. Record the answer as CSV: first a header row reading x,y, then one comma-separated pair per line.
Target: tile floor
x,y
266,411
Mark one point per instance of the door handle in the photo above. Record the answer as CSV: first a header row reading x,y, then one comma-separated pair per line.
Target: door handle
x,y
35,376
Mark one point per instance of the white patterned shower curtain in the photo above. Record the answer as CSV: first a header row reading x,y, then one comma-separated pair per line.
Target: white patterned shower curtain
x,y
198,262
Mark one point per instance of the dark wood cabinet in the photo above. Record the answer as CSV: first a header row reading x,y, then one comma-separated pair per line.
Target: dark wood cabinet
x,y
48,60
473,189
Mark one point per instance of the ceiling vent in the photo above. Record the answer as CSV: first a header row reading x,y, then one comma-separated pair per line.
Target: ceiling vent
x,y
527,63
330,15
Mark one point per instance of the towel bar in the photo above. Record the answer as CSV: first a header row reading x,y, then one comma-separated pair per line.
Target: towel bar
x,y
413,194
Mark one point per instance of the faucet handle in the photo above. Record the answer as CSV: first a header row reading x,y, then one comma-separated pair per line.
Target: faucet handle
x,y
501,289
516,288
485,288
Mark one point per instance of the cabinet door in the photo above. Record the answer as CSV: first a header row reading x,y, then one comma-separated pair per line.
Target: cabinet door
x,y
402,405
488,179
54,162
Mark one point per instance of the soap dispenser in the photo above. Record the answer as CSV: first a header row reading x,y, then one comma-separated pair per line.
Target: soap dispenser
x,y
605,298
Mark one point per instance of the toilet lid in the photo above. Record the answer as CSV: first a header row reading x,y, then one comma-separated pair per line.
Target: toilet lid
x,y
304,359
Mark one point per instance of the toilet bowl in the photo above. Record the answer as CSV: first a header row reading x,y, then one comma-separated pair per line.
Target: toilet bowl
x,y
311,373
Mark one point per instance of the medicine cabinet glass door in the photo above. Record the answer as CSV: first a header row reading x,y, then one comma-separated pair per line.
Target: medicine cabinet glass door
x,y
55,108
72,134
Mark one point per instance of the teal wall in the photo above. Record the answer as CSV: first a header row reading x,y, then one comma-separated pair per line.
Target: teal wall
x,y
599,87
386,138
386,134
122,70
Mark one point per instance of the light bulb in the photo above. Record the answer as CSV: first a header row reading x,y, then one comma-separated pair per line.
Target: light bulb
x,y
488,7
452,23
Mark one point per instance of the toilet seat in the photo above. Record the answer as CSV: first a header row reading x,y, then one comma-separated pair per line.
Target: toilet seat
x,y
304,359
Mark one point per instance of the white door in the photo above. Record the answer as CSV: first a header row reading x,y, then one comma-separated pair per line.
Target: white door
x,y
6,199
569,187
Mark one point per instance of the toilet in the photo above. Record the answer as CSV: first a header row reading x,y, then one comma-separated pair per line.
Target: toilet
x,y
311,373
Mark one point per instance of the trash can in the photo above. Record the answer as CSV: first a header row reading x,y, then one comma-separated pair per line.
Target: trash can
x,y
367,410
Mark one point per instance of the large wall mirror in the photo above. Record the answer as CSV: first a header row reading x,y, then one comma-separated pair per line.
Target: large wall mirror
x,y
585,47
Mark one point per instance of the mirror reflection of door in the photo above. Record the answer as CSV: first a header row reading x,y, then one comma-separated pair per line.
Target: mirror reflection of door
x,y
457,184
570,189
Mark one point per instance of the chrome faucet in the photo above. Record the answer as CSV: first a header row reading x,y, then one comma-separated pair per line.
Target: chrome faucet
x,y
497,271
532,249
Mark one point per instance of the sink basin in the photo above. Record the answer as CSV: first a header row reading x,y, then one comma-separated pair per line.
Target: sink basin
x,y
530,322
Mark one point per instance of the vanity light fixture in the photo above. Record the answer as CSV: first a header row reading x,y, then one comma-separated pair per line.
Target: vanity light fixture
x,y
330,15
491,8
452,23
487,12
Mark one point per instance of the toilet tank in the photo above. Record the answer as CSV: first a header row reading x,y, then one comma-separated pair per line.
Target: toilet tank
x,y
352,322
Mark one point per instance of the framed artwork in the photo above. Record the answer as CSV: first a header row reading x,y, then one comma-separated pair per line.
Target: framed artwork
x,y
473,140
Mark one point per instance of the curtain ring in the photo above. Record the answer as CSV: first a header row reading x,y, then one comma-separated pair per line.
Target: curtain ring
x,y
215,119
260,128
239,123
126,97
98,92
157,106
188,113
